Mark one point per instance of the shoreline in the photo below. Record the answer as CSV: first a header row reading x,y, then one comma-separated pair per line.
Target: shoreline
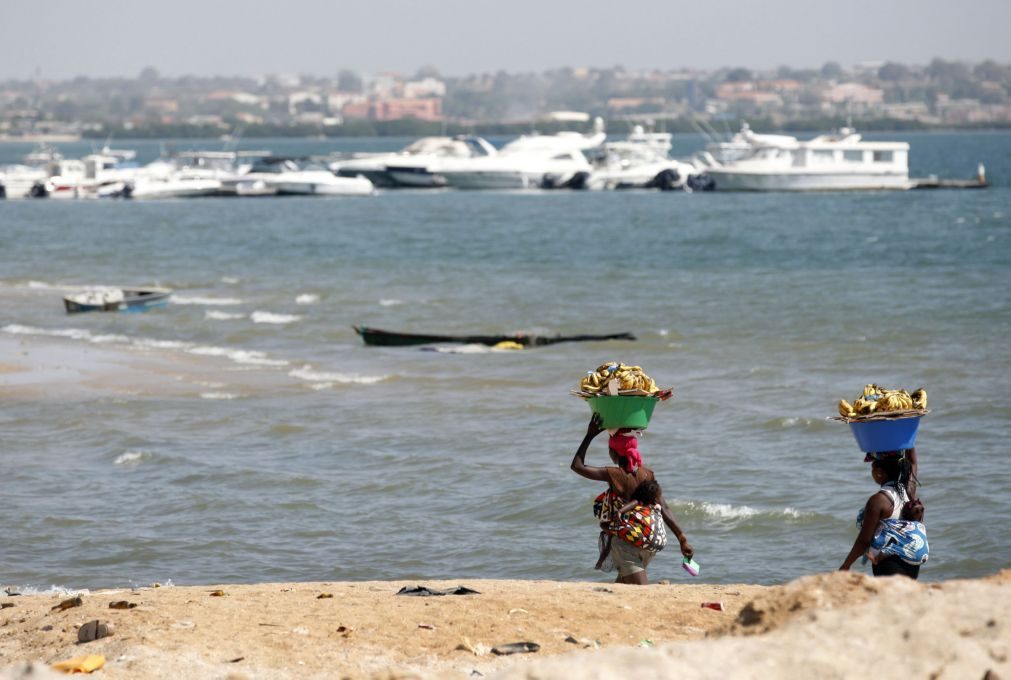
x,y
829,624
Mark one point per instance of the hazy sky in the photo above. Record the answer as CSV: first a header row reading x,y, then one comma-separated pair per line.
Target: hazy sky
x,y
66,38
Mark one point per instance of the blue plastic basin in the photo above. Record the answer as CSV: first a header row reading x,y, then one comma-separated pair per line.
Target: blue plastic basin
x,y
886,435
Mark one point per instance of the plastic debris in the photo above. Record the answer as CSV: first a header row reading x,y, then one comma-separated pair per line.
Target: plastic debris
x,y
217,593
68,604
515,648
426,626
80,664
717,606
325,596
425,591
122,604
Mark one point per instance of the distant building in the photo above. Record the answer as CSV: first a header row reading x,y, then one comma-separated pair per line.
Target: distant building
x,y
429,108
619,104
161,105
427,87
853,93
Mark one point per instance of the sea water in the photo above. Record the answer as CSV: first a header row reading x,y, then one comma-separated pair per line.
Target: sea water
x,y
305,455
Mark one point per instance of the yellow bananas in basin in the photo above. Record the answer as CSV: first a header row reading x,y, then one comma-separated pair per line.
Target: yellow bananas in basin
x,y
628,379
877,400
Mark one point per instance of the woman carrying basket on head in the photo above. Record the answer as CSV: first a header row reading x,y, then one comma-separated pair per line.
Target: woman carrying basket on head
x,y
891,534
623,479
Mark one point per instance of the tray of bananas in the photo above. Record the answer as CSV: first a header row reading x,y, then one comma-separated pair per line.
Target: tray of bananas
x,y
623,396
884,420
878,403
614,379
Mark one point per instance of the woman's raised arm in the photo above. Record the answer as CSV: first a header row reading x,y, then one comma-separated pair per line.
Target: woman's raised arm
x,y
579,465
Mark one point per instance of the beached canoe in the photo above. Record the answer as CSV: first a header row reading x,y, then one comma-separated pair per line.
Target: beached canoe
x,y
115,299
375,336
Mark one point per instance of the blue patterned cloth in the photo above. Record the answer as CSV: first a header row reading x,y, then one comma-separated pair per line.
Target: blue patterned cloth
x,y
901,538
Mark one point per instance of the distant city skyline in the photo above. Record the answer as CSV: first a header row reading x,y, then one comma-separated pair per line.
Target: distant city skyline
x,y
66,39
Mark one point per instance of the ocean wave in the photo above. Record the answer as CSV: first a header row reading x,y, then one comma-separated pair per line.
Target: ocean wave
x,y
62,591
239,356
390,302
222,316
132,457
200,300
224,396
306,299
472,349
232,280
269,317
45,285
306,373
739,512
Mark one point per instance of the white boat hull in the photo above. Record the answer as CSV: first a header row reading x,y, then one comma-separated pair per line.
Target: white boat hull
x,y
731,180
176,188
337,186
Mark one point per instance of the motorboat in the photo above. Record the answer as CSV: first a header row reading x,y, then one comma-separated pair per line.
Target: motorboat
x,y
289,176
191,174
24,181
530,161
176,185
409,167
110,299
831,162
640,161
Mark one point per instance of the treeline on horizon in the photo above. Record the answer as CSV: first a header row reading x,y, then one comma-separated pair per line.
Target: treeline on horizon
x,y
504,103
419,128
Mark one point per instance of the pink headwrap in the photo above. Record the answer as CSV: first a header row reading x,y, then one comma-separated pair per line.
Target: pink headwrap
x,y
627,448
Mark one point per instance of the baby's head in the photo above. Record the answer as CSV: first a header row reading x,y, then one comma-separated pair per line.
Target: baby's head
x,y
647,493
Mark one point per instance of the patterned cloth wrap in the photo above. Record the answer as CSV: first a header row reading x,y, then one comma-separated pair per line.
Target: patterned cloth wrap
x,y
641,527
901,538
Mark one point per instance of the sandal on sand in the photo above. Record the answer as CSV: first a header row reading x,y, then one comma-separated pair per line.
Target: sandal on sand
x,y
515,648
425,591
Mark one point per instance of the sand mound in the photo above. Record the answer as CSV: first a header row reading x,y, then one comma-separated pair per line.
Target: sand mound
x,y
836,625
953,631
777,606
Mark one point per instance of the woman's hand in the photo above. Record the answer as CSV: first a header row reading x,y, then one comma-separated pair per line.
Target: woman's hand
x,y
686,549
595,426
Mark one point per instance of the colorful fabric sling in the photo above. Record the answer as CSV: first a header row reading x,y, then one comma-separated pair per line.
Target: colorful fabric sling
x,y
641,527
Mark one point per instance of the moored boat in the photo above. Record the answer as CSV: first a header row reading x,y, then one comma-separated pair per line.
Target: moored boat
x,y
109,299
833,162
378,337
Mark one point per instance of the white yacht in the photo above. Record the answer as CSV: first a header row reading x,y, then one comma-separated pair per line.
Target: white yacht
x,y
530,161
832,162
640,161
409,167
287,176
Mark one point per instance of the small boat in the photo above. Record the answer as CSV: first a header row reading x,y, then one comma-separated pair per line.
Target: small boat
x,y
116,299
377,337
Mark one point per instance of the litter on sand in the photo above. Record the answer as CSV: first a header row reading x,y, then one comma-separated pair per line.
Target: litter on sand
x,y
122,604
425,591
68,604
515,648
80,664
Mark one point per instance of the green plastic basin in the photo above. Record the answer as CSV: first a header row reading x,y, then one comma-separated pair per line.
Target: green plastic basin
x,y
619,411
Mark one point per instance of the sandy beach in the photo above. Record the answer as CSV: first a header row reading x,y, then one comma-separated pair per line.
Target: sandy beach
x,y
835,625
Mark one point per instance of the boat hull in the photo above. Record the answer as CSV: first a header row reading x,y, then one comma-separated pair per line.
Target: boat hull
x,y
735,180
130,300
381,338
